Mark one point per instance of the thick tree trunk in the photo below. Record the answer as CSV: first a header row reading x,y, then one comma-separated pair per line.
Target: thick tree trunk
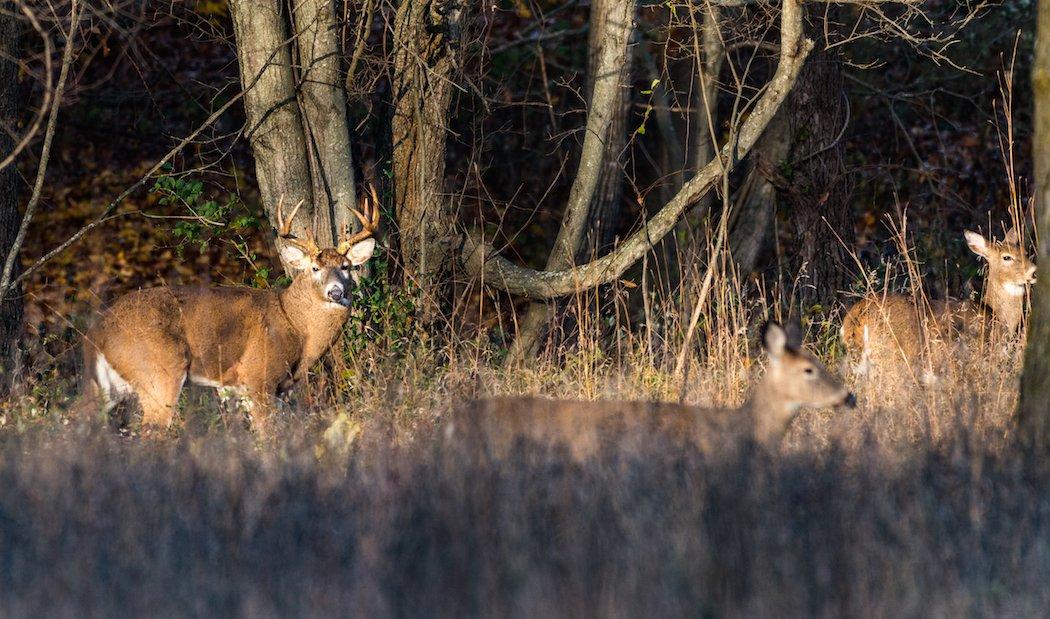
x,y
323,106
426,42
611,26
603,216
275,127
819,198
1034,411
11,306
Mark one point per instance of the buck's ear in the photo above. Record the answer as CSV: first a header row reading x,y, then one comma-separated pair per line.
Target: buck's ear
x,y
978,244
774,340
295,257
360,252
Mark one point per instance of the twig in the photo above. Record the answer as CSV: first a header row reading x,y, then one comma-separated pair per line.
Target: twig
x,y
45,153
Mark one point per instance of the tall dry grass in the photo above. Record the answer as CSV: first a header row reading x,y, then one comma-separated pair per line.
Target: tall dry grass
x,y
917,503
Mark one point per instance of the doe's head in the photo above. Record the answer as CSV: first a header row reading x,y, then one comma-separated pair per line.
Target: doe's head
x,y
1010,271
333,271
794,376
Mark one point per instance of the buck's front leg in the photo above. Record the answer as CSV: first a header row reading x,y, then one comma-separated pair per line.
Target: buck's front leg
x,y
261,405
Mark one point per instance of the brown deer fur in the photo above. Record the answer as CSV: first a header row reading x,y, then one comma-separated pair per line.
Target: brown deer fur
x,y
149,343
793,378
891,330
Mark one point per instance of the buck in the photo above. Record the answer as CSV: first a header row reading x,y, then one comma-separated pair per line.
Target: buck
x,y
893,328
258,343
793,378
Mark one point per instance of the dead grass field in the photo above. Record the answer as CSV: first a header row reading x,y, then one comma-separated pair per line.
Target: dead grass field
x,y
917,503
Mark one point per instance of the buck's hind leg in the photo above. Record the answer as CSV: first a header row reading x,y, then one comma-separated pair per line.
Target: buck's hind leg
x,y
160,398
158,381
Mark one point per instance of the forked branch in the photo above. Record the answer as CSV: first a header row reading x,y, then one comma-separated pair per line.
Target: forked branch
x,y
482,260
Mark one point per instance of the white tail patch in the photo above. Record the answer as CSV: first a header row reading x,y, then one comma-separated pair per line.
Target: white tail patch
x,y
863,366
112,387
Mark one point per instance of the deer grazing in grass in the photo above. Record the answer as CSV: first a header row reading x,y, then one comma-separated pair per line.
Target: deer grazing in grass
x,y
259,343
794,378
893,329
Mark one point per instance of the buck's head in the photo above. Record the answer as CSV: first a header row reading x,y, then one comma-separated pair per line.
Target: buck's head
x,y
333,271
1010,271
795,377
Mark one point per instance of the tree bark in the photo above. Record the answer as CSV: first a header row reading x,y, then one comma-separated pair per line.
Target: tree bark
x,y
426,40
275,127
751,224
594,199
323,107
708,57
1034,410
480,259
10,219
819,198
603,215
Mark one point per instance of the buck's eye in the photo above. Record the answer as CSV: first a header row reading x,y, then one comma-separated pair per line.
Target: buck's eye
x,y
1007,258
346,267
808,370
316,269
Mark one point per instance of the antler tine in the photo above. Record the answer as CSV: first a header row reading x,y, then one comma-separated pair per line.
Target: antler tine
x,y
369,220
284,225
284,228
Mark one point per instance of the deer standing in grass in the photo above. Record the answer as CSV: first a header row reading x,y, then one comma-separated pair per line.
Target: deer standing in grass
x,y
892,329
259,343
794,378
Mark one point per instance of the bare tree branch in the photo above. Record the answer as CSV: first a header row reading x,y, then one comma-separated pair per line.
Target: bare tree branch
x,y
480,258
45,105
107,213
45,152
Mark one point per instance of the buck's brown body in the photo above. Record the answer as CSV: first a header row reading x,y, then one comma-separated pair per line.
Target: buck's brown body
x,y
150,343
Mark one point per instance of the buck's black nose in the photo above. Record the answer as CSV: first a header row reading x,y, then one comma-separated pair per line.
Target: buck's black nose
x,y
851,401
336,294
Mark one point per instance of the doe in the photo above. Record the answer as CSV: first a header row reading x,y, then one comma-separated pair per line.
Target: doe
x,y
793,378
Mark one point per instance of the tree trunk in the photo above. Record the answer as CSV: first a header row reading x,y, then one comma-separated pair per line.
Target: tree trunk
x,y
751,223
611,26
275,127
323,106
603,216
481,259
426,40
1034,411
11,306
819,198
702,73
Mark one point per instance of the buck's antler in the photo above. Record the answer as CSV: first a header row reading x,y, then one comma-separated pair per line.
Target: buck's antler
x,y
284,229
369,218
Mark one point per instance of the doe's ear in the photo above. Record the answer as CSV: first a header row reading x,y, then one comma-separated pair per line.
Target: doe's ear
x,y
296,257
1012,236
774,340
793,330
359,253
978,244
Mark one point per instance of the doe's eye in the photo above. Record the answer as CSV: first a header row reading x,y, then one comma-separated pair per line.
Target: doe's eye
x,y
1007,258
808,370
346,267
316,269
